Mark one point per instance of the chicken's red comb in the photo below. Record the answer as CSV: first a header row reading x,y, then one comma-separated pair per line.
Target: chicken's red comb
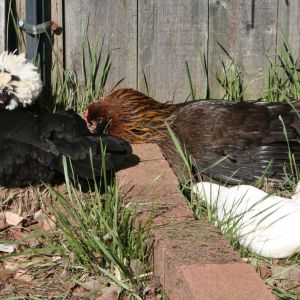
x,y
85,114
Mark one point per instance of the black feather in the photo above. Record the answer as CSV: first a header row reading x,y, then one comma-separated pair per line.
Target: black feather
x,y
32,147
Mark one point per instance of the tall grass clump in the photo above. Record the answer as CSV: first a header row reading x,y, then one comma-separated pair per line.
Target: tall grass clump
x,y
188,176
203,208
95,230
291,171
231,78
192,87
70,91
98,232
283,75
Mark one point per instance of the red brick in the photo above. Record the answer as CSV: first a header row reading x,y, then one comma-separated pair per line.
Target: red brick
x,y
191,258
147,152
148,178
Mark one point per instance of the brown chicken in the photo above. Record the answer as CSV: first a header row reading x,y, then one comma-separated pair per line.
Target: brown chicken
x,y
231,142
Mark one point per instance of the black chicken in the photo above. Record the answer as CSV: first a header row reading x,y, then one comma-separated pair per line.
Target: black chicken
x,y
232,142
32,146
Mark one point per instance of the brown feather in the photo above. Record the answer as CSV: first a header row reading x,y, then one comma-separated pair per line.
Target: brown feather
x,y
132,115
245,135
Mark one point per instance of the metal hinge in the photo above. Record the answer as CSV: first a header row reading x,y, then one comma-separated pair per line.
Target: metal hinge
x,y
39,28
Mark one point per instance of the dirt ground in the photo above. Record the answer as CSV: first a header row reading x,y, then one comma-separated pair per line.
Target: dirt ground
x,y
29,269
29,266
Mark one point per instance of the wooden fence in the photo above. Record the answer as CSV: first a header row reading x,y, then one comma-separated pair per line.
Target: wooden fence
x,y
157,39
2,25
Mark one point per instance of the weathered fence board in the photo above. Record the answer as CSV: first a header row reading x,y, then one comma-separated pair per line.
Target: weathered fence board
x,y
113,21
170,33
21,14
247,30
2,25
289,24
153,41
58,40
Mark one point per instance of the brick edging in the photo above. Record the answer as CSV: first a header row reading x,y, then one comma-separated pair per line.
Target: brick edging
x,y
190,257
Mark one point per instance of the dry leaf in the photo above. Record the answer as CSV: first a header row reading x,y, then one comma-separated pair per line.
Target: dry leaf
x,y
295,273
56,258
26,236
18,234
109,293
264,272
7,248
6,274
22,274
8,290
47,223
280,272
13,218
10,265
95,285
3,223
39,215
79,291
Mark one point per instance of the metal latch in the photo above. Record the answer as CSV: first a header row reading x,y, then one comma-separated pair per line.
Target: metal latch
x,y
39,28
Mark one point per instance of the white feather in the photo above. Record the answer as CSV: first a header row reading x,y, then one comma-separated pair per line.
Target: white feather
x,y
268,225
30,85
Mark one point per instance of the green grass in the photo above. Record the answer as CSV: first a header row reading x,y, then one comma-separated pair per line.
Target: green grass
x,y
231,78
283,75
108,230
230,224
193,95
69,91
96,232
291,171
282,83
99,232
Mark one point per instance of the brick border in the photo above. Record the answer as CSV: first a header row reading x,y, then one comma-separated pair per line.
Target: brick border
x,y
190,257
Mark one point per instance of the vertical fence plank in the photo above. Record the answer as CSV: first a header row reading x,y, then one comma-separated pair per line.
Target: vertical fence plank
x,y
21,14
170,33
113,21
2,24
289,24
166,34
58,42
247,30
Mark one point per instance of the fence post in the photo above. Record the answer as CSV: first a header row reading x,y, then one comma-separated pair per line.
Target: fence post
x,y
39,11
2,24
31,18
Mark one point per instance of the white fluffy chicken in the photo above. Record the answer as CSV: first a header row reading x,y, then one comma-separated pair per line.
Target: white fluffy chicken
x,y
266,224
19,80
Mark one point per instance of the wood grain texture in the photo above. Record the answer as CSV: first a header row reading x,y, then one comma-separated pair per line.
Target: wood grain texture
x,y
289,24
158,37
21,34
2,25
247,30
113,21
170,33
58,40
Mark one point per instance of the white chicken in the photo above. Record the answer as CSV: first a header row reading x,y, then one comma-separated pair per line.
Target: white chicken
x,y
266,224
